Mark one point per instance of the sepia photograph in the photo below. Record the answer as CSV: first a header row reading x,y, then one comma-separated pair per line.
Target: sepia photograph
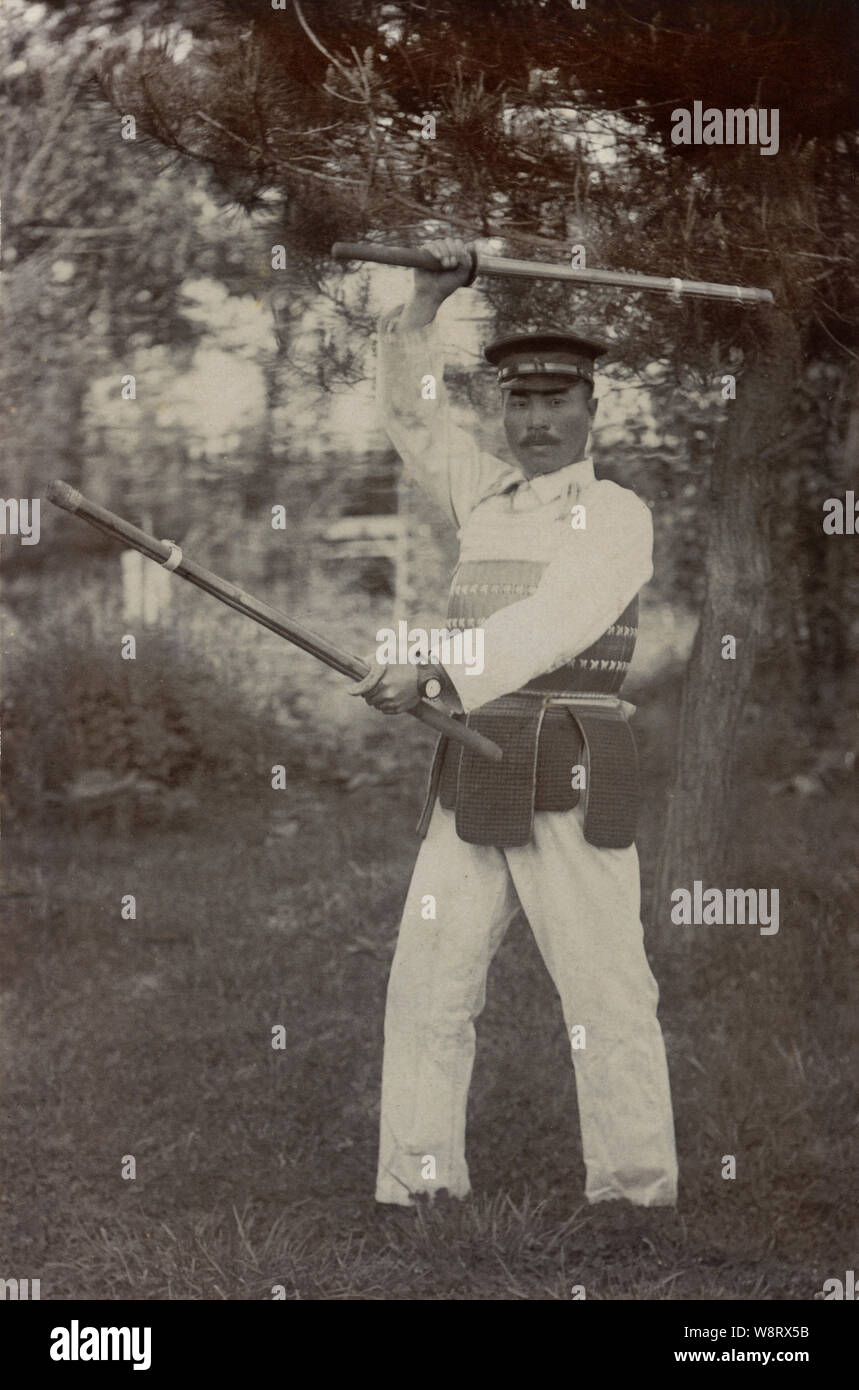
x,y
430,616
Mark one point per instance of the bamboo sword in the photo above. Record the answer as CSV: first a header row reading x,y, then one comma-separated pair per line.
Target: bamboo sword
x,y
547,270
170,555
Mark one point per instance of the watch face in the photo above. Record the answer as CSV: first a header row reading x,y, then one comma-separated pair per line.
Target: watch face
x,y
432,689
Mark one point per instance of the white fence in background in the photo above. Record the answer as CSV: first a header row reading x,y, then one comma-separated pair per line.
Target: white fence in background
x,y
146,588
388,536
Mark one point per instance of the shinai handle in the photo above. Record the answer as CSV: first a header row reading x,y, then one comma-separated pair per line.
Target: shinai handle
x,y
410,256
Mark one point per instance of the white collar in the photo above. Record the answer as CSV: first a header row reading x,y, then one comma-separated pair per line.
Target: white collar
x,y
549,486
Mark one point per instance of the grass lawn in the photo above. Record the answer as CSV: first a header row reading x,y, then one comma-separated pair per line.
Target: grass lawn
x,y
255,1167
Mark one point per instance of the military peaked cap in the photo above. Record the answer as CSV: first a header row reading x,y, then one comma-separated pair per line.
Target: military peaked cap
x,y
545,358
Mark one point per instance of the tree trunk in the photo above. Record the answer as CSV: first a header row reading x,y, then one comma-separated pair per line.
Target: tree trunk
x,y
737,586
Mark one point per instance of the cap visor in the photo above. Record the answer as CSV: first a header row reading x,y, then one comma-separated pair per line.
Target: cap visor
x,y
541,383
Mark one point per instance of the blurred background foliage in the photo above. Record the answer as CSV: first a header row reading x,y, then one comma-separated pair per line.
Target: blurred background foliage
x,y
258,127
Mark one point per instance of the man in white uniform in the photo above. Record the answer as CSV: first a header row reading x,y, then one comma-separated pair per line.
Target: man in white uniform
x,y
550,567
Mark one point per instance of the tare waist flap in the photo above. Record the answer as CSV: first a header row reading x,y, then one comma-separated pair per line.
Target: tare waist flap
x,y
551,744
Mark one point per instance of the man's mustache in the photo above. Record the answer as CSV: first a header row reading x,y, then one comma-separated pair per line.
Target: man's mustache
x,y
539,439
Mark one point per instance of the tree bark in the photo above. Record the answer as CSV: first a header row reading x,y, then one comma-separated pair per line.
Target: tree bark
x,y
738,580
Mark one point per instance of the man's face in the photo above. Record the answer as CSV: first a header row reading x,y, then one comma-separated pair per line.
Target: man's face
x,y
548,429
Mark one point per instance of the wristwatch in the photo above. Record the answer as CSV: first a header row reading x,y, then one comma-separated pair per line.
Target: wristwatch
x,y
432,680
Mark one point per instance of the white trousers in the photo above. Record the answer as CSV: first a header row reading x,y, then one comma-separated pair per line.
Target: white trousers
x,y
583,906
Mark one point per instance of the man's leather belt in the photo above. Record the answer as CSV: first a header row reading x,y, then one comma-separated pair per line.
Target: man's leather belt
x,y
543,737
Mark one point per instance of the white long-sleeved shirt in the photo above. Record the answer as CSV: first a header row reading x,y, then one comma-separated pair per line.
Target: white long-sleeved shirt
x,y
590,574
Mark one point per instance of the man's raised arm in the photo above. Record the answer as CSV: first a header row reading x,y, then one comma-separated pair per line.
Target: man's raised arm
x,y
412,397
